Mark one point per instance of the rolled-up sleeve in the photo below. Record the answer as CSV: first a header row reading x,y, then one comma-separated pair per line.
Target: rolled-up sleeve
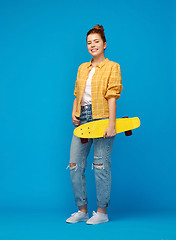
x,y
75,91
115,86
76,82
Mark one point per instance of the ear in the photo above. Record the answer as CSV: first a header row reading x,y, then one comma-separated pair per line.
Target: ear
x,y
105,45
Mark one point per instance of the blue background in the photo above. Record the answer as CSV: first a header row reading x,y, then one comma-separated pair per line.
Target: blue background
x,y
42,44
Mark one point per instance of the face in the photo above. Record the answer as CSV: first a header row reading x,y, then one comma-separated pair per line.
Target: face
x,y
95,44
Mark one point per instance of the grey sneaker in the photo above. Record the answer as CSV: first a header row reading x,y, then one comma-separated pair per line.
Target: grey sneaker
x,y
78,217
98,218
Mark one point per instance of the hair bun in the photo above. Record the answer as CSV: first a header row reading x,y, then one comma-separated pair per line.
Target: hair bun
x,y
98,27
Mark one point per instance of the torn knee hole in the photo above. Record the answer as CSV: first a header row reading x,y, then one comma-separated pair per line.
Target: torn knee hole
x,y
100,165
72,164
97,164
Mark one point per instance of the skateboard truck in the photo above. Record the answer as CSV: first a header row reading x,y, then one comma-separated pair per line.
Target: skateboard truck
x,y
129,132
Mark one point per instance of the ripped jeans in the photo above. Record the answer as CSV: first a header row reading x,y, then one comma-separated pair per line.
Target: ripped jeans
x,y
102,164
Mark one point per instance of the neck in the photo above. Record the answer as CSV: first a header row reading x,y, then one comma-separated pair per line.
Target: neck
x,y
97,60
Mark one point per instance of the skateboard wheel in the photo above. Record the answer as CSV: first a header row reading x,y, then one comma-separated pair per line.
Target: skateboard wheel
x,y
84,140
128,133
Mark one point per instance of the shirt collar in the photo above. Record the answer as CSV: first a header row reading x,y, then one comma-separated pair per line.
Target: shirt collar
x,y
100,65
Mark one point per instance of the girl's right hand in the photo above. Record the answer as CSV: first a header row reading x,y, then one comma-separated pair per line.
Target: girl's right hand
x,y
75,121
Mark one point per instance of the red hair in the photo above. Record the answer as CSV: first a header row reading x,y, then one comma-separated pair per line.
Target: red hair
x,y
97,29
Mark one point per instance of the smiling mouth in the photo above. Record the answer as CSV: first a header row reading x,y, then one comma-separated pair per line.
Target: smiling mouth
x,y
94,50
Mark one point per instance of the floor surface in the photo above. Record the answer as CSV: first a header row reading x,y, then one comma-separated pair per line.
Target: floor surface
x,y
42,225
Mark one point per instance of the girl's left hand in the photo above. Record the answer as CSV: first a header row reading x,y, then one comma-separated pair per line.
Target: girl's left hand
x,y
110,131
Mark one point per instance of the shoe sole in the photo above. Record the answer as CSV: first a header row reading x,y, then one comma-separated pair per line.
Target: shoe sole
x,y
77,221
97,222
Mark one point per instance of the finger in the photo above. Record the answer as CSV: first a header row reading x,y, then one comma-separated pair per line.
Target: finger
x,y
77,123
74,123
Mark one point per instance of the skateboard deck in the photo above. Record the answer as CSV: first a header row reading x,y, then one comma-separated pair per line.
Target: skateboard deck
x,y
95,129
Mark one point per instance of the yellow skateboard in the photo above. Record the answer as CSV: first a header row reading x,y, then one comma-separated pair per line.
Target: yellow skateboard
x,y
95,129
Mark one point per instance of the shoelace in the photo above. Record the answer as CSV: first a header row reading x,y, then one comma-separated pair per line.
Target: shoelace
x,y
75,213
94,213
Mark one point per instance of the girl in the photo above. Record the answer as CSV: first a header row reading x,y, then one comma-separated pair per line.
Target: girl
x,y
97,87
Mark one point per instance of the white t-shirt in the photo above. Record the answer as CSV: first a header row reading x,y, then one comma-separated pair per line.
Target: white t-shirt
x,y
86,99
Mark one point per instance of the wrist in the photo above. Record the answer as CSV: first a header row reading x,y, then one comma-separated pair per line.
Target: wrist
x,y
112,124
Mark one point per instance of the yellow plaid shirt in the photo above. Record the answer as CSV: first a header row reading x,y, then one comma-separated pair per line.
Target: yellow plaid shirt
x,y
106,83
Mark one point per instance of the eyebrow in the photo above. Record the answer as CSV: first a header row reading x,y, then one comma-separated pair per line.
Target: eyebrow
x,y
94,40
